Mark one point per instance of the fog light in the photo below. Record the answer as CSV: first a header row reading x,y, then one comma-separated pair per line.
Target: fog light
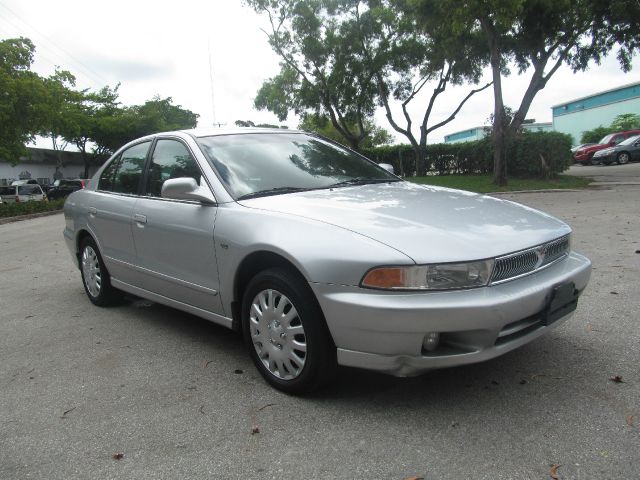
x,y
431,341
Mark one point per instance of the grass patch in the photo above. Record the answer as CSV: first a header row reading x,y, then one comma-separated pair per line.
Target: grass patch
x,y
484,184
27,208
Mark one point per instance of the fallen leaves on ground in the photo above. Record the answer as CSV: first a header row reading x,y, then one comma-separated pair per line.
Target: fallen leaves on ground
x,y
630,420
118,456
67,411
237,371
413,477
206,363
617,379
553,471
613,293
267,405
255,430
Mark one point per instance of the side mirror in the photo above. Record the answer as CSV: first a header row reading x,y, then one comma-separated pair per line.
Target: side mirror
x,y
387,166
185,188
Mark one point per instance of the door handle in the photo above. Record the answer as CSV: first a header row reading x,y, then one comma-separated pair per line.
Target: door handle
x,y
92,210
140,218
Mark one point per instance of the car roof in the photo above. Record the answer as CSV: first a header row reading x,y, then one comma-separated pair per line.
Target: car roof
x,y
212,131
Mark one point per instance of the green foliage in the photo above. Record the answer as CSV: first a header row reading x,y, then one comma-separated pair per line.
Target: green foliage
x,y
117,125
322,125
249,123
320,71
22,92
540,35
27,208
626,121
595,135
532,154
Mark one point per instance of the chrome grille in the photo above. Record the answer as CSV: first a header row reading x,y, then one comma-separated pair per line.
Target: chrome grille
x,y
528,261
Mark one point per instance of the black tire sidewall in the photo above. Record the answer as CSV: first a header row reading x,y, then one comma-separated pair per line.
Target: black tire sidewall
x,y
320,360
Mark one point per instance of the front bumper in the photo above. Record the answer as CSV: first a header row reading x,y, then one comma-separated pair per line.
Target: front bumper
x,y
384,331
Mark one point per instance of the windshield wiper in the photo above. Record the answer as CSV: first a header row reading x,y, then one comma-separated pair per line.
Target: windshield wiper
x,y
362,181
271,191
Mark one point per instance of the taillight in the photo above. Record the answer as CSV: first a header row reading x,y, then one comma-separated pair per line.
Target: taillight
x,y
17,199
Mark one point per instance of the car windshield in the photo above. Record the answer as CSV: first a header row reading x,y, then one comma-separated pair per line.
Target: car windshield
x,y
272,163
630,140
606,139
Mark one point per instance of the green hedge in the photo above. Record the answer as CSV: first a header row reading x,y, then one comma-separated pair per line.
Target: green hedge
x,y
27,208
530,155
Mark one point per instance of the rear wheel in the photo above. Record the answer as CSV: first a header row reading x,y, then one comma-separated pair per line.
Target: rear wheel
x,y
623,157
96,279
285,332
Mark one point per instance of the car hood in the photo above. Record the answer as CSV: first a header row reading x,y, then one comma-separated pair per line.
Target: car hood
x,y
429,224
592,148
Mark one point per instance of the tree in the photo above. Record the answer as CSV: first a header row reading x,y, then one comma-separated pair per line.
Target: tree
x,y
249,123
406,52
626,121
116,125
83,119
319,71
22,91
322,125
541,35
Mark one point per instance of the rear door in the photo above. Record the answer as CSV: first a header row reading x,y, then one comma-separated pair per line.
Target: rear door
x,y
174,238
110,211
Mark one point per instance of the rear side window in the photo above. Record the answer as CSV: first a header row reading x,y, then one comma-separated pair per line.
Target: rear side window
x,y
7,190
29,190
123,173
130,169
106,178
171,159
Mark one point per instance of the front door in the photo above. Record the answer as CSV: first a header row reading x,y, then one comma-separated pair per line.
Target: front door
x,y
174,238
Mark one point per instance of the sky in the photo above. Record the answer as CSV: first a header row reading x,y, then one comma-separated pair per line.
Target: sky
x,y
180,49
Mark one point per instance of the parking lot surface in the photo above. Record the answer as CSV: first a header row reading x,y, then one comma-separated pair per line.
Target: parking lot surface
x,y
147,392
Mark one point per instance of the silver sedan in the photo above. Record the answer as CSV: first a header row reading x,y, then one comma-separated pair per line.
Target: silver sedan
x,y
319,256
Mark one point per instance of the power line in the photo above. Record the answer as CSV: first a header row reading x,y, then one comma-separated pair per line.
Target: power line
x,y
87,72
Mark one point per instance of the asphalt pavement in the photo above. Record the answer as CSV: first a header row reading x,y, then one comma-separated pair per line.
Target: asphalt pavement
x,y
142,391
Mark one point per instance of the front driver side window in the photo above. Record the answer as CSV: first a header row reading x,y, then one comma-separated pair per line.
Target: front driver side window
x,y
171,159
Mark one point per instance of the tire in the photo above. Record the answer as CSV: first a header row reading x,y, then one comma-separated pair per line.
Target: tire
x,y
95,277
622,158
285,332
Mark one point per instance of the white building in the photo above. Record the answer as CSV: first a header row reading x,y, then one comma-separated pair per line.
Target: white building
x,y
45,166
599,109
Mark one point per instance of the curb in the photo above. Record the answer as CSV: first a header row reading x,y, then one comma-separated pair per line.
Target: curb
x,y
19,218
538,191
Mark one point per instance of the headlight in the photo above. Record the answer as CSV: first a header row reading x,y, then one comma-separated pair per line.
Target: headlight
x,y
603,153
446,276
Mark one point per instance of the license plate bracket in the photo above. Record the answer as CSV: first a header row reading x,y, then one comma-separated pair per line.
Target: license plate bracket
x,y
563,300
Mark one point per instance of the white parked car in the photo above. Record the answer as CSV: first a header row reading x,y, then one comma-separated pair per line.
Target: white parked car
x,y
22,193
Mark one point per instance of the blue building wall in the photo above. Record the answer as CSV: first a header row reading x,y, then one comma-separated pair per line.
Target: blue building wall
x,y
600,109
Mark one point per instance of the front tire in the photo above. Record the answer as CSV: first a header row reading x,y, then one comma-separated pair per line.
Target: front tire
x,y
95,277
622,158
285,332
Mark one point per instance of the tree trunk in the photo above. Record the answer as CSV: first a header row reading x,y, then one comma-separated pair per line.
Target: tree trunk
x,y
498,133
85,160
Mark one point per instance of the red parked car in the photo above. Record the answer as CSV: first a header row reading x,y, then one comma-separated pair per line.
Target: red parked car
x,y
584,155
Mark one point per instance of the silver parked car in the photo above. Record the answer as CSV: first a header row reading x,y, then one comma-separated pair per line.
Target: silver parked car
x,y
319,256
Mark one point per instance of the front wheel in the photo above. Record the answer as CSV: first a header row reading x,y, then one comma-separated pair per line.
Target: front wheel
x,y
285,332
623,157
95,277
